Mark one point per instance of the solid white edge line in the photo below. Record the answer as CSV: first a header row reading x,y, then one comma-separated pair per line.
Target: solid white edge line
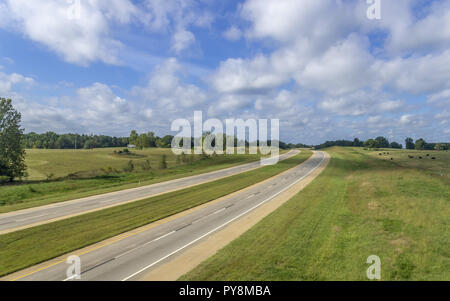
x,y
225,224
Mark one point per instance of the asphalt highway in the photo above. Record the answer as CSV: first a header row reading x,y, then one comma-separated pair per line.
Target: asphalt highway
x,y
17,220
128,258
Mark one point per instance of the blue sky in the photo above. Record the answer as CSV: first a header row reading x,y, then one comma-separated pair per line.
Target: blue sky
x,y
320,66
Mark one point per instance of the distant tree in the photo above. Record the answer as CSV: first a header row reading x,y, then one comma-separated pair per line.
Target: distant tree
x,y
396,145
420,144
345,143
357,143
409,143
142,141
151,139
382,142
371,143
430,146
165,142
440,146
90,144
133,137
12,153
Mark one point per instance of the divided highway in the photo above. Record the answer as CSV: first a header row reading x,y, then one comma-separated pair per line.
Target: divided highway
x,y
13,221
133,255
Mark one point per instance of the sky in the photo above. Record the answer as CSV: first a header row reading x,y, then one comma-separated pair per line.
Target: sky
x,y
322,67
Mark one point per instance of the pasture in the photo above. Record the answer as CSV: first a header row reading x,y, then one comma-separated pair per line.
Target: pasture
x,y
42,163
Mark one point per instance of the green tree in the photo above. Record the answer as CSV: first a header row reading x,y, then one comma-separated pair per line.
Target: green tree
x,y
409,143
151,139
90,144
440,146
357,142
420,144
12,153
396,145
382,142
133,137
371,143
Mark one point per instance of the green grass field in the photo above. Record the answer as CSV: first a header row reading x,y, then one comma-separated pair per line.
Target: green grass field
x,y
363,204
90,166
41,162
27,247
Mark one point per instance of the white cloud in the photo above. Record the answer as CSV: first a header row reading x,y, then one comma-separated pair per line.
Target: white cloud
x,y
176,17
411,120
417,74
360,103
441,99
166,91
182,39
417,34
228,105
343,68
322,22
79,41
247,76
100,103
233,33
7,81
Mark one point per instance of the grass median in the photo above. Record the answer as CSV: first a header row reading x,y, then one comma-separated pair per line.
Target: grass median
x,y
363,204
31,246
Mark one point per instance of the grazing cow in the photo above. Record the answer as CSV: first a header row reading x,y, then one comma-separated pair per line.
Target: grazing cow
x,y
433,158
420,157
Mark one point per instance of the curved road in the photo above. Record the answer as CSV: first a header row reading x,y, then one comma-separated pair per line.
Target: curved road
x,y
17,220
133,255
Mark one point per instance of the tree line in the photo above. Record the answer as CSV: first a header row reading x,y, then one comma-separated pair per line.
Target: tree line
x,y
347,143
421,144
51,140
382,142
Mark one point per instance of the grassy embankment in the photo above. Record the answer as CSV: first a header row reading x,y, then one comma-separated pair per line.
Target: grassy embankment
x,y
27,247
363,204
100,171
